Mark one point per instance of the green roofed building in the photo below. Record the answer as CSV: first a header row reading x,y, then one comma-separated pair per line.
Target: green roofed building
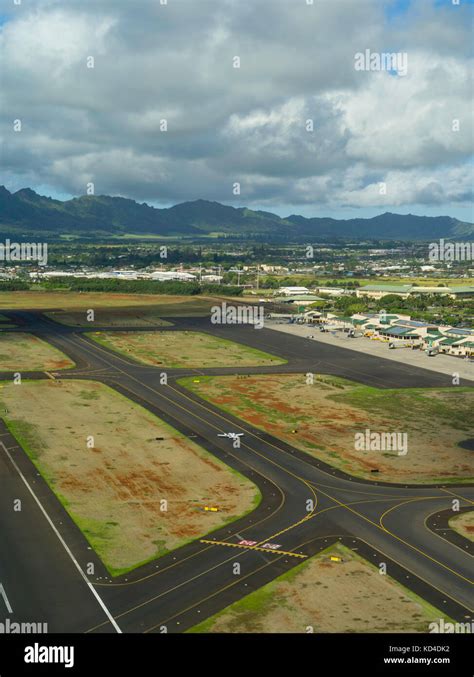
x,y
448,341
378,291
388,319
399,332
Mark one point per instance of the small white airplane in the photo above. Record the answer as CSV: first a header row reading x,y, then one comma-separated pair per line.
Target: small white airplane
x,y
231,436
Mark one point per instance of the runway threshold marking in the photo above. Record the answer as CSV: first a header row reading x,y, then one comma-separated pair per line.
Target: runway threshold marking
x,y
254,547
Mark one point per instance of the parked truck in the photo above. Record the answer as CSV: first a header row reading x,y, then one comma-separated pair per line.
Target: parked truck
x,y
403,344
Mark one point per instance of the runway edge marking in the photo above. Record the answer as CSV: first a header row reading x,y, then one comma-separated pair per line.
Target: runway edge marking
x,y
63,543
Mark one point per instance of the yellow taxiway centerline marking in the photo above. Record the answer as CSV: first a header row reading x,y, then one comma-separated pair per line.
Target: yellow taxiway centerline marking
x,y
254,547
288,472
340,503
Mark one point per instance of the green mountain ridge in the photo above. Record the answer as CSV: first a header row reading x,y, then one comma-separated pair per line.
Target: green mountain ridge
x,y
26,212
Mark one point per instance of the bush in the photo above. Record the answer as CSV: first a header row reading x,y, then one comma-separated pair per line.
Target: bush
x,y
171,288
14,285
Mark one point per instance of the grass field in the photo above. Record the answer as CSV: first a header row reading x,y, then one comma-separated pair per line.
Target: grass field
x,y
179,349
328,414
110,317
136,316
390,280
464,524
60,301
324,596
19,351
113,490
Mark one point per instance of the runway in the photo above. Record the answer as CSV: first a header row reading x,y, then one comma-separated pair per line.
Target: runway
x,y
389,523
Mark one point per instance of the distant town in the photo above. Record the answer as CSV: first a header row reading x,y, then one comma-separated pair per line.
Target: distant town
x,y
391,292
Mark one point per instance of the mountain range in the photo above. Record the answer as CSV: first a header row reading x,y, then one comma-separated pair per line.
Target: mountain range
x,y
26,213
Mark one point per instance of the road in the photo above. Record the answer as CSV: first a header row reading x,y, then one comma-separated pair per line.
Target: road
x,y
42,571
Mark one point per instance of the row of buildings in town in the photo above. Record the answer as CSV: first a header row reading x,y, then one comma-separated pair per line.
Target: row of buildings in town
x,y
157,275
378,291
398,331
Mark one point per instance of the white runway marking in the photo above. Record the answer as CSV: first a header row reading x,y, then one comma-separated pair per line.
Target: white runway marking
x,y
5,599
63,543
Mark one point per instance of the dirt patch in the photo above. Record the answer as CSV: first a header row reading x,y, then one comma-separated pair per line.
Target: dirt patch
x,y
115,490
19,351
464,524
328,414
324,596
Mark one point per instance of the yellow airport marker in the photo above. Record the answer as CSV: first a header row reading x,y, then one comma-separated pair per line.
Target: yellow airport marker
x,y
335,559
208,509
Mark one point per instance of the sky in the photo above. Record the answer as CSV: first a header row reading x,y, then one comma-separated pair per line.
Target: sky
x,y
161,113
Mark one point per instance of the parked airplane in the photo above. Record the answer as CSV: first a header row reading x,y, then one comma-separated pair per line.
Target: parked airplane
x,y
231,436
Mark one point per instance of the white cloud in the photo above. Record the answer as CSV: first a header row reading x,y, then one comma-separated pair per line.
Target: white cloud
x,y
174,62
407,121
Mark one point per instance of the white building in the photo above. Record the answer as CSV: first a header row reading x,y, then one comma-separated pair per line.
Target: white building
x,y
50,273
212,278
293,291
167,275
125,274
334,291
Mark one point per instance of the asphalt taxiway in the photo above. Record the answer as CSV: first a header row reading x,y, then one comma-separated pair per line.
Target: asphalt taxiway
x,y
306,504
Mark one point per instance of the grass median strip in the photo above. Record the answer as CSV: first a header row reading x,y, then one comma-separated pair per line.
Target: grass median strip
x,y
180,349
20,351
321,595
464,524
323,417
109,302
